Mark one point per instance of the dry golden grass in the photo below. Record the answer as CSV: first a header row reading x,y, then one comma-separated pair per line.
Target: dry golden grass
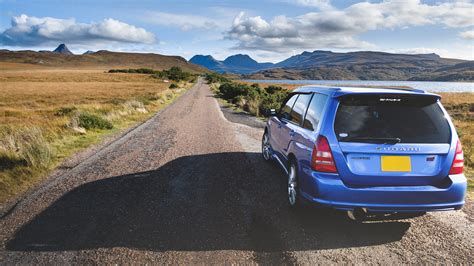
x,y
33,97
460,107
41,108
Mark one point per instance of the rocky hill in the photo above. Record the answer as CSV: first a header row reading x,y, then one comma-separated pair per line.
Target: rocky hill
x,y
62,49
100,59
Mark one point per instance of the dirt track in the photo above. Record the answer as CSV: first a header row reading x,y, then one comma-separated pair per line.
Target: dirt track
x,y
189,186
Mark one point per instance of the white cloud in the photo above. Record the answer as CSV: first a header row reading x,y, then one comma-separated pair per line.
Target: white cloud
x,y
468,35
333,28
34,31
321,4
183,21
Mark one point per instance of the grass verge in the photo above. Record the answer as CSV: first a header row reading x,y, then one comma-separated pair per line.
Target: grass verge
x,y
47,115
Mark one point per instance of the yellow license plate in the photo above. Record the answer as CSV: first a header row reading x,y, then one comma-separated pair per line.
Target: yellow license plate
x,y
396,164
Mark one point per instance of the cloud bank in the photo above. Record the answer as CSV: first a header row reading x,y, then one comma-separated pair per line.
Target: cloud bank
x,y
340,28
185,22
34,31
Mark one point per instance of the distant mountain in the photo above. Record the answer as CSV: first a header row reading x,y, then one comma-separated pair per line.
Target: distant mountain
x,y
209,62
238,64
89,52
101,59
62,49
367,65
328,58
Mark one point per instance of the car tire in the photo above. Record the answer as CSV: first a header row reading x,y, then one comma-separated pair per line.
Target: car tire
x,y
266,147
293,196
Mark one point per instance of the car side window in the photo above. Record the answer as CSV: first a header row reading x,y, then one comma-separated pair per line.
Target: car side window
x,y
315,110
286,109
296,115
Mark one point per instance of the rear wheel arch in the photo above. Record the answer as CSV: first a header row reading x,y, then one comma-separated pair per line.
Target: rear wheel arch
x,y
292,159
293,196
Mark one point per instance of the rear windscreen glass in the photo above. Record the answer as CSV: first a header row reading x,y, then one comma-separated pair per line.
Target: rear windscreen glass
x,y
407,118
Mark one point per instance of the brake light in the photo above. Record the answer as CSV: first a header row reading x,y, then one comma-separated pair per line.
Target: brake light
x,y
458,161
321,158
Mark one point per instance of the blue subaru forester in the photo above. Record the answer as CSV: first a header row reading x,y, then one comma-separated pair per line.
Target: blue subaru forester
x,y
377,150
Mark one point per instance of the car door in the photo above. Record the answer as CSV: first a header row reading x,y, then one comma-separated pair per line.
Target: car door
x,y
278,127
290,130
307,138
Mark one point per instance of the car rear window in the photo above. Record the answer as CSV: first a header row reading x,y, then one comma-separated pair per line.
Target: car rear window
x,y
410,118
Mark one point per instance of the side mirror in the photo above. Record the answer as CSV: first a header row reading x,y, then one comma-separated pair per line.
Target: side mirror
x,y
270,112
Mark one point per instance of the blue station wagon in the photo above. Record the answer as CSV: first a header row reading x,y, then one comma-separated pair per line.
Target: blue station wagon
x,y
376,150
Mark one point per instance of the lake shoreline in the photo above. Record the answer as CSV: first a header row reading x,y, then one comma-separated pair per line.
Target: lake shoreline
x,y
431,86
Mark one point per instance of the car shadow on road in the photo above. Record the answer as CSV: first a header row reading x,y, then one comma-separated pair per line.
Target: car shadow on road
x,y
222,201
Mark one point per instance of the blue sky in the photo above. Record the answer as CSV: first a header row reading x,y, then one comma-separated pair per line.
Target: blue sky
x,y
266,30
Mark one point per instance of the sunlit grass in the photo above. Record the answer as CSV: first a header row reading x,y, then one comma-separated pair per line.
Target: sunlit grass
x,y
47,115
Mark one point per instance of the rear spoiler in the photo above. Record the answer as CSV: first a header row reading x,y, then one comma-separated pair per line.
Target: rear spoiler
x,y
401,92
414,99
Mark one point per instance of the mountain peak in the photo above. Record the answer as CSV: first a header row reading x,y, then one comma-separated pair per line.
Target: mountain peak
x,y
202,57
62,49
241,60
209,62
240,57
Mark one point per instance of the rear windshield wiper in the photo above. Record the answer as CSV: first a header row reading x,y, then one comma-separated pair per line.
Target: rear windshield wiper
x,y
373,140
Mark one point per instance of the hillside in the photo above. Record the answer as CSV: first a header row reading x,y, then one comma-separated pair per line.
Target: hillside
x,y
100,59
461,72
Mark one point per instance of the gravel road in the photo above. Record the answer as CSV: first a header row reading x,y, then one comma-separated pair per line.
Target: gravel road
x,y
188,186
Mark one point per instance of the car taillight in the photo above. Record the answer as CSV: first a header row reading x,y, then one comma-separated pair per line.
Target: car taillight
x,y
458,161
321,158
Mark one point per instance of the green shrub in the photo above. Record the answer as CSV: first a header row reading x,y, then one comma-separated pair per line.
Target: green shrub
x,y
274,100
274,89
144,71
135,70
62,111
230,90
92,121
176,73
173,86
253,98
215,78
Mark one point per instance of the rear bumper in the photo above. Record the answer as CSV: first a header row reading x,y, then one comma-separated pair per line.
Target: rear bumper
x,y
329,190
